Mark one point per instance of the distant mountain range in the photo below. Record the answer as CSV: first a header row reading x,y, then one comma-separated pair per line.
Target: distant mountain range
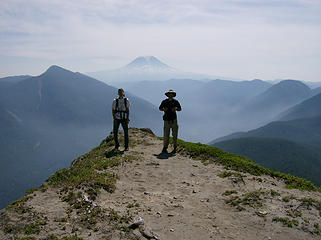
x,y
146,68
213,91
267,106
47,120
208,107
292,146
219,107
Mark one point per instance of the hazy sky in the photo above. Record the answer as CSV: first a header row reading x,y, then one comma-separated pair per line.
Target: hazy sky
x,y
267,39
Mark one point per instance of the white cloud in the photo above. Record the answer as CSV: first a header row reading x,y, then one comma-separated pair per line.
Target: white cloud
x,y
242,39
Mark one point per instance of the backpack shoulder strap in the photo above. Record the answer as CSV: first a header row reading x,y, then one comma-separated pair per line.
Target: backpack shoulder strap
x,y
116,108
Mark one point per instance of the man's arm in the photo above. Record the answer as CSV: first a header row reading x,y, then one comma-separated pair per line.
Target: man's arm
x,y
113,108
178,106
162,106
127,116
127,110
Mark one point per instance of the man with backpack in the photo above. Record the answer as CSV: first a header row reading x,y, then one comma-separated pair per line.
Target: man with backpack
x,y
120,110
170,106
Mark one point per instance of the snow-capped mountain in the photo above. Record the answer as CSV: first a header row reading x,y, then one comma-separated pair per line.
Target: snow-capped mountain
x,y
148,63
144,68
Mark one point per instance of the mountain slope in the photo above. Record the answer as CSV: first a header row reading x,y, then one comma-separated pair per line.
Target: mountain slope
x,y
62,96
316,91
56,116
176,197
306,131
278,154
7,82
288,146
14,79
306,109
282,94
17,164
265,107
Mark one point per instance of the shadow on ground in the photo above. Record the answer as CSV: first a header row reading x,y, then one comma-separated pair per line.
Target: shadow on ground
x,y
113,153
164,155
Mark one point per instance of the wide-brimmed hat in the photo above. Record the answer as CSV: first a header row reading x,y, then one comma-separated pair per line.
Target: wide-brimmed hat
x,y
170,91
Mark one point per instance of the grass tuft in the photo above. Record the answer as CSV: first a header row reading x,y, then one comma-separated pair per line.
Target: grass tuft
x,y
252,199
274,193
286,221
229,192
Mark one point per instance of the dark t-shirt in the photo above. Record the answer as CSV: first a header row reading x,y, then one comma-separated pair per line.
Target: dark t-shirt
x,y
170,115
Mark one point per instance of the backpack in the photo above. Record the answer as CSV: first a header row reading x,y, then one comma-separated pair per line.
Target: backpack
x,y
122,112
125,102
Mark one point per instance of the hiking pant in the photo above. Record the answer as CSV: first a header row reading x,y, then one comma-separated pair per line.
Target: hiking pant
x,y
167,126
124,124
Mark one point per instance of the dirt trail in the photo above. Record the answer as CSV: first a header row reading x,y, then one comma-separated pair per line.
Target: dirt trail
x,y
180,198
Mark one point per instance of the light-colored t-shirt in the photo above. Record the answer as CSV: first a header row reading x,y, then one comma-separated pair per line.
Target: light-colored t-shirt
x,y
121,107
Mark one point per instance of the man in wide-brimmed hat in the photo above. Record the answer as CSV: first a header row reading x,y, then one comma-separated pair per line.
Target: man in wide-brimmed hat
x,y
170,106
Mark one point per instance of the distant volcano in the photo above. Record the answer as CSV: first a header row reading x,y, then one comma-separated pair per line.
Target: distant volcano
x,y
144,68
147,62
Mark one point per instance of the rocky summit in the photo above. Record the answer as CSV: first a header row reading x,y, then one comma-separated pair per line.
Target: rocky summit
x,y
200,192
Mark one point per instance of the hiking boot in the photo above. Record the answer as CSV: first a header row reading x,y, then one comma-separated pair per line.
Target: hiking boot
x,y
126,149
174,150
